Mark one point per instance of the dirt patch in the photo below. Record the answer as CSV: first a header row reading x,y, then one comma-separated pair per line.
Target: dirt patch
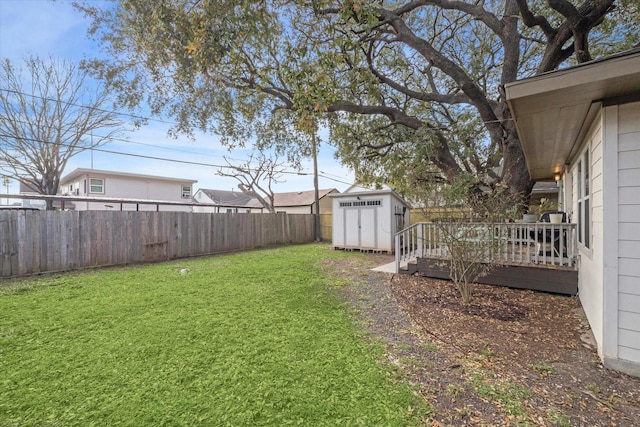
x,y
511,357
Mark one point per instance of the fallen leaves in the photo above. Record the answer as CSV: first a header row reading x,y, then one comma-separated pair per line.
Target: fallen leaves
x,y
475,362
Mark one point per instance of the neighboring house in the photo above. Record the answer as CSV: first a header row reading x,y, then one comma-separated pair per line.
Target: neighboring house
x,y
296,202
303,202
112,185
32,203
224,201
367,219
546,194
582,125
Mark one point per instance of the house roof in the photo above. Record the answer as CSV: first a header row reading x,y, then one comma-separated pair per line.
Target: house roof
x,y
228,198
300,198
239,199
553,110
358,187
545,187
76,173
27,188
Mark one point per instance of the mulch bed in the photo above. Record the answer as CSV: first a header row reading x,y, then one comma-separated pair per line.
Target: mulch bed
x,y
510,357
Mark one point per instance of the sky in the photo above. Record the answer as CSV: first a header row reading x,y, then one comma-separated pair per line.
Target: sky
x,y
45,28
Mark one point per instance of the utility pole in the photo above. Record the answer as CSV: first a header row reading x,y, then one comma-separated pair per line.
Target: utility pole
x,y
6,181
315,186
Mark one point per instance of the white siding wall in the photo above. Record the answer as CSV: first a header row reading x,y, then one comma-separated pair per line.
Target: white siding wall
x,y
629,232
294,209
130,187
590,281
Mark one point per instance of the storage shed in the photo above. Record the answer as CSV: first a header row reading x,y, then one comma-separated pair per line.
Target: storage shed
x,y
366,219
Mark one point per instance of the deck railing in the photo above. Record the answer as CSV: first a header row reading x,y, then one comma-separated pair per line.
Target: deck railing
x,y
539,243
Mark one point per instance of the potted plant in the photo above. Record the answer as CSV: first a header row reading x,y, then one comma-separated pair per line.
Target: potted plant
x,y
535,211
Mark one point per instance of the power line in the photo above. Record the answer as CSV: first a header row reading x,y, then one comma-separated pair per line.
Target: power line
x,y
213,165
321,173
143,156
129,141
174,123
102,110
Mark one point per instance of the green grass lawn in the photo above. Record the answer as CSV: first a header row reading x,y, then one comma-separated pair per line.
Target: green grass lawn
x,y
246,339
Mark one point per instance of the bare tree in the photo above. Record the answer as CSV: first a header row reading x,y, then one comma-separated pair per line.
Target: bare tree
x,y
48,115
468,228
256,178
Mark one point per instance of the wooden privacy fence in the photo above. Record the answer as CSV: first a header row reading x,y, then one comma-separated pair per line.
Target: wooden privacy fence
x,y
45,241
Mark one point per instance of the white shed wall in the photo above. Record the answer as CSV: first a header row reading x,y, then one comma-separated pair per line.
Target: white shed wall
x,y
364,226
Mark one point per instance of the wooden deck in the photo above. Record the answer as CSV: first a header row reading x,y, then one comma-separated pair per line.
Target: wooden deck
x,y
539,256
541,277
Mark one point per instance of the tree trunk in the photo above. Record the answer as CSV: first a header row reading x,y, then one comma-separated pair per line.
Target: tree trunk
x,y
516,175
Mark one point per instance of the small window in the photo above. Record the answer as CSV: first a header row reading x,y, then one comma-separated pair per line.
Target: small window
x,y
186,191
96,185
584,201
345,204
374,202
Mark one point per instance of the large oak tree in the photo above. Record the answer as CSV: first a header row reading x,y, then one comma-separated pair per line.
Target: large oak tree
x,y
411,90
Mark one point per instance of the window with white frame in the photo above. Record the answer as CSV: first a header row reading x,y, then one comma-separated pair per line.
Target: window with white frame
x,y
584,200
186,191
96,185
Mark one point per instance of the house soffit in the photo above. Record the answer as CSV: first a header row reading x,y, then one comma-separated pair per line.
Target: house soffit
x,y
552,111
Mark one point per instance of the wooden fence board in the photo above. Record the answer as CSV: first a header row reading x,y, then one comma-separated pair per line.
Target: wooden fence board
x,y
40,241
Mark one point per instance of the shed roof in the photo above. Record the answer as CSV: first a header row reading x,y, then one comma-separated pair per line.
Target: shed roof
x,y
554,109
364,192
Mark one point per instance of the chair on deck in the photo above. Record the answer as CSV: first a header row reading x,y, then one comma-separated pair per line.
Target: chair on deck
x,y
545,242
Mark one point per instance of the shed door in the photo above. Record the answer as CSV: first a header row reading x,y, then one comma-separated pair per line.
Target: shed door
x,y
352,228
368,228
360,228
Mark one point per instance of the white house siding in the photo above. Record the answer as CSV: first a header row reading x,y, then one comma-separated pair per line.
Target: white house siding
x,y
628,147
590,282
129,186
294,209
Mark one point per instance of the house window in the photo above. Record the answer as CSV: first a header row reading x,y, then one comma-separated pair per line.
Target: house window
x,y
186,191
96,185
584,200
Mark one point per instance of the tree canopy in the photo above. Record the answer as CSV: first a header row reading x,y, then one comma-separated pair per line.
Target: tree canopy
x,y
48,113
410,90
